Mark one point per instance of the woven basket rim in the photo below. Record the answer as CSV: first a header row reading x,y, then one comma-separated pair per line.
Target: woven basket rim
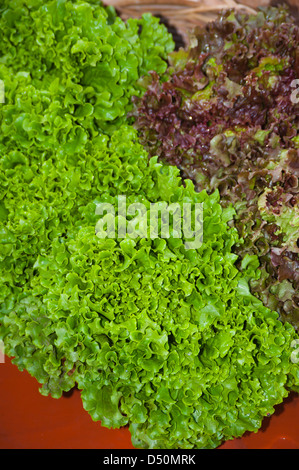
x,y
188,6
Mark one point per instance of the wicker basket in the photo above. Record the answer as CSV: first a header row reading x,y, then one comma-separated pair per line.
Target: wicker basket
x,y
181,16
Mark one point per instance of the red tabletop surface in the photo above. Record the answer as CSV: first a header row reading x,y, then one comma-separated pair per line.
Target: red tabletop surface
x,y
29,420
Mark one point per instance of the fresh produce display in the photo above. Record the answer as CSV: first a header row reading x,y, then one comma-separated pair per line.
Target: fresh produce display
x,y
226,113
159,336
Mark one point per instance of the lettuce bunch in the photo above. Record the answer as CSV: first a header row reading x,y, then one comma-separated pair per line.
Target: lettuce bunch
x,y
226,113
159,337
165,339
76,65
